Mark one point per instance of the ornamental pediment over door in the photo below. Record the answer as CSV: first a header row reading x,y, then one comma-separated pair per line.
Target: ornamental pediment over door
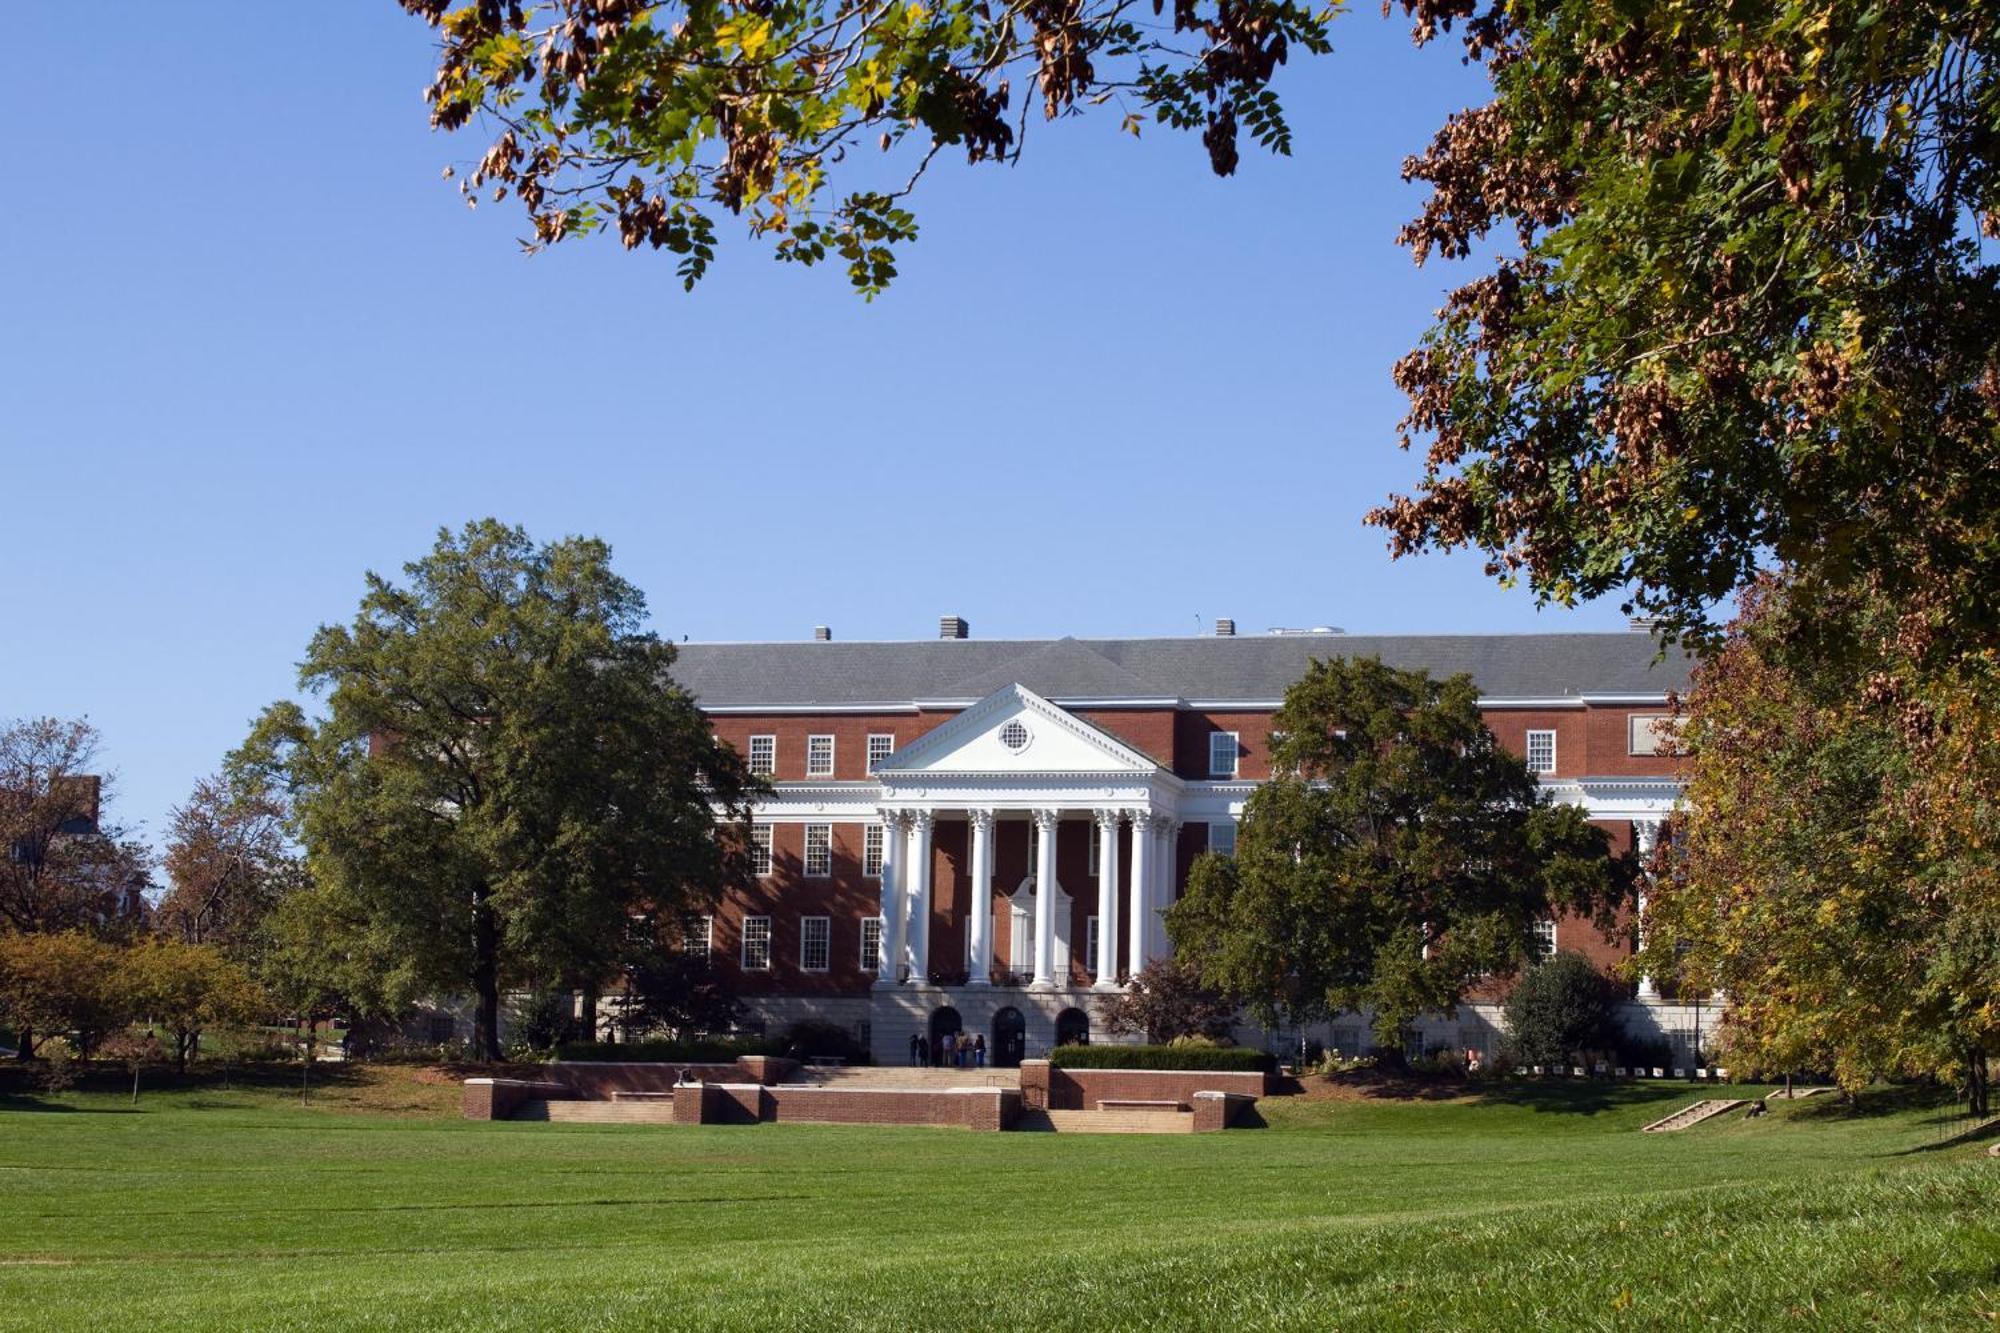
x,y
1015,730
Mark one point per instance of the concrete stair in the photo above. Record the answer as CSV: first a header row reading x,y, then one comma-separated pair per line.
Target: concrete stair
x,y
660,1112
1106,1122
1694,1114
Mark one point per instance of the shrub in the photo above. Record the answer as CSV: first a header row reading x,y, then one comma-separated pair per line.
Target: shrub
x,y
1178,1056
1167,1001
714,1051
1559,1009
544,1020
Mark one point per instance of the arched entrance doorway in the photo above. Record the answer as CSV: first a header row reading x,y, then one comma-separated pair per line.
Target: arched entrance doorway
x,y
944,1020
1010,1038
1072,1028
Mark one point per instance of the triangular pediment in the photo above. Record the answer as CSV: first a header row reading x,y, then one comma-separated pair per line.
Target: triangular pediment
x,y
1015,730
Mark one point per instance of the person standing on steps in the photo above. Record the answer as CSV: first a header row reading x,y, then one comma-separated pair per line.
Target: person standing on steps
x,y
916,1048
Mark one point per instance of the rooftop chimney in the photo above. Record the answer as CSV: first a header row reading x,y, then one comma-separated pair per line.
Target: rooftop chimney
x,y
822,634
953,627
1225,628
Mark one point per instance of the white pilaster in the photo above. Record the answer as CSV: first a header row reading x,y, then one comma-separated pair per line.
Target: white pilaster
x,y
1142,887
890,965
1645,834
1107,899
919,878
981,925
1161,896
1046,822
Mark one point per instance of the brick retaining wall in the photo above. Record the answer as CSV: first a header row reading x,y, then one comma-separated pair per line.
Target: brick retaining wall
x,y
1045,1087
497,1098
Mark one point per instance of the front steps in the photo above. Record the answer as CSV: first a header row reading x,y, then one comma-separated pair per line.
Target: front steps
x,y
1106,1122
1694,1115
650,1112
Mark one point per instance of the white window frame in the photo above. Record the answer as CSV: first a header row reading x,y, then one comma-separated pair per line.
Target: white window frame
x,y
886,750
762,858
1096,846
808,926
1235,742
768,766
1538,734
825,831
1542,939
871,957
1215,842
1090,945
814,769
698,935
756,930
874,849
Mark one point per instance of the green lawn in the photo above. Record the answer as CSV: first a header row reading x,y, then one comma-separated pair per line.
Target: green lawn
x,y
238,1210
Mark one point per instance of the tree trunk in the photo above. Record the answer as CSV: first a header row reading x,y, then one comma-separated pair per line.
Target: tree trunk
x,y
588,1022
26,1037
485,979
1977,1087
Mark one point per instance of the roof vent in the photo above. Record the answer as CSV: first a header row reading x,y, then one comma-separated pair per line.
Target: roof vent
x,y
822,634
1225,628
953,627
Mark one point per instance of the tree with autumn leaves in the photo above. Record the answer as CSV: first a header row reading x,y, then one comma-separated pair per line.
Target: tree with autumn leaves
x,y
1837,874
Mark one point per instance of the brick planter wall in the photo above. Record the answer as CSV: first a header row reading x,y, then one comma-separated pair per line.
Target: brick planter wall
x,y
601,1078
748,1103
496,1098
1044,1087
1224,1110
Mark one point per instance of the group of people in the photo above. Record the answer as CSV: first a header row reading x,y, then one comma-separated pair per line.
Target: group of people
x,y
951,1050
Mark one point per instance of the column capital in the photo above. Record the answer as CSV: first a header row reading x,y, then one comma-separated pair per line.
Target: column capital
x,y
1046,819
1143,821
892,818
981,820
922,820
1108,819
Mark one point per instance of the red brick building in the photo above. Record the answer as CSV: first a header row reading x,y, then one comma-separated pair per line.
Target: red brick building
x,y
925,790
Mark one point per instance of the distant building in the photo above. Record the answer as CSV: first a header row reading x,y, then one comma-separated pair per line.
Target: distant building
x,y
926,791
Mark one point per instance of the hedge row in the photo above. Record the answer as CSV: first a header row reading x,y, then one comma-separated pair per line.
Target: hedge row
x,y
668,1052
1243,1059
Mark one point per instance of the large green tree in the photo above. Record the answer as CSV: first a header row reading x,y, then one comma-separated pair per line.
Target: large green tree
x,y
1837,872
503,774
1733,299
1398,856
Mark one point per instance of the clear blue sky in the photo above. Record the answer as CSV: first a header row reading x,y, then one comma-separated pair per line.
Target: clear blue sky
x,y
252,345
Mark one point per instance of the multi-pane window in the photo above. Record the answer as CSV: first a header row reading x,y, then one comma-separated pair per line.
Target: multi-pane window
x,y
1090,945
819,850
871,944
1096,846
1542,938
756,944
880,747
760,849
1222,747
871,850
764,755
1541,752
1222,837
697,936
819,756
815,939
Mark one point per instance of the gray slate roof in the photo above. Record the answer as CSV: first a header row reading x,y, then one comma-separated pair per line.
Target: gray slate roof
x,y
1246,668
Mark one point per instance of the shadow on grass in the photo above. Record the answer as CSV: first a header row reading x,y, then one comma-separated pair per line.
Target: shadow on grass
x,y
1553,1096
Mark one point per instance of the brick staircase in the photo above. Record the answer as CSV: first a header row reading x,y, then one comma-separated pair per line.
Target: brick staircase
x,y
907,1077
1694,1115
1106,1122
650,1112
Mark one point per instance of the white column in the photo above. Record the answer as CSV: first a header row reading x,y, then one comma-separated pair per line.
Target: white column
x,y
1107,899
1045,893
919,878
1161,895
890,965
1142,886
981,925
1645,833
